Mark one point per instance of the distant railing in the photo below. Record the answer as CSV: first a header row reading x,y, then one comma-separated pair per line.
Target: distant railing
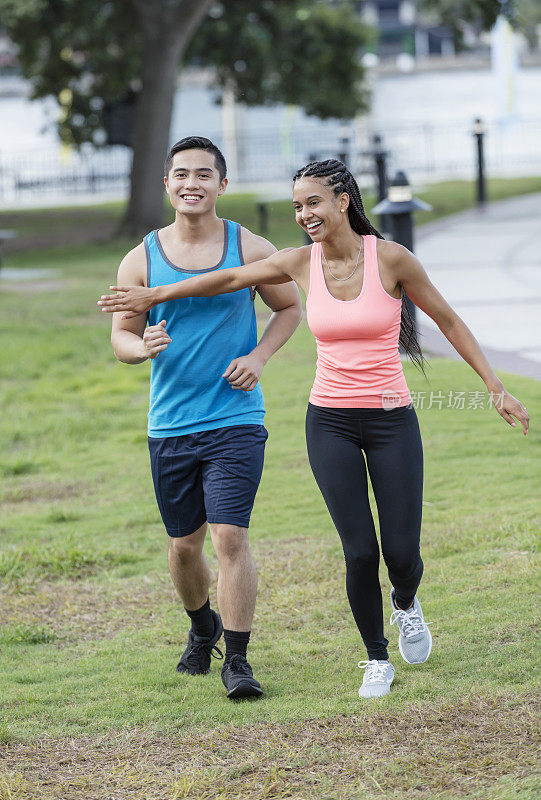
x,y
63,173
427,152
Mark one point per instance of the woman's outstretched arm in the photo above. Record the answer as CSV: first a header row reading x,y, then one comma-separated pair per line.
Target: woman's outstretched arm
x,y
419,288
280,267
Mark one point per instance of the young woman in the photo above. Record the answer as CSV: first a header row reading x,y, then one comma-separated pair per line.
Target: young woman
x,y
354,283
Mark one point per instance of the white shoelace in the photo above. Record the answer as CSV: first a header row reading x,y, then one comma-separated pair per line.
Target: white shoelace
x,y
374,671
411,621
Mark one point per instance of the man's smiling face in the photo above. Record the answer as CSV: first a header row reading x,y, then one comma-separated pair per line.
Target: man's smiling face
x,y
193,183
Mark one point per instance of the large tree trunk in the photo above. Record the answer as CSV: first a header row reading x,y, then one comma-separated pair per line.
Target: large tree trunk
x,y
167,30
151,138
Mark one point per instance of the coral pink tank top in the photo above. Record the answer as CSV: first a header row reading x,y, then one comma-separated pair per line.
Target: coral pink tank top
x,y
358,363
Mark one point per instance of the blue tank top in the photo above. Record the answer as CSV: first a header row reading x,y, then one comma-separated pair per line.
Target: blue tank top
x,y
187,391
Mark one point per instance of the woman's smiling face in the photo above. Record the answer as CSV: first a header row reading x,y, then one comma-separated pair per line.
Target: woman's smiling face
x,y
317,210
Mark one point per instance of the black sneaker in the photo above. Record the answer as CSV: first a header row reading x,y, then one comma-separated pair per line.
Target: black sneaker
x,y
238,679
196,658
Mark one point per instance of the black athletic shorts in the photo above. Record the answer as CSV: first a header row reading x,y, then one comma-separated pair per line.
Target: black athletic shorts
x,y
210,475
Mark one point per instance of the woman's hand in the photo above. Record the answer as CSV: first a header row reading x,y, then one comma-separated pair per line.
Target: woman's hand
x,y
132,300
508,407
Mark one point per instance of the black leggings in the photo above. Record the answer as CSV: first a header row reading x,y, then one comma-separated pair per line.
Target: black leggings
x,y
392,447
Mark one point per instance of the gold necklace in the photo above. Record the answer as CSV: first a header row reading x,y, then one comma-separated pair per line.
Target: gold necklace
x,y
354,268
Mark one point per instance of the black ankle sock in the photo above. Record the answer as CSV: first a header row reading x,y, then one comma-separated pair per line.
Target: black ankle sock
x,y
236,643
202,620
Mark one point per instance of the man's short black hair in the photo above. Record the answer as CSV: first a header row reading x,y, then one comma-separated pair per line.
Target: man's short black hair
x,y
197,143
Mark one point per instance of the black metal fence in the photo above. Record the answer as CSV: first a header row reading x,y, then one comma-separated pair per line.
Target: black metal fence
x,y
62,173
427,152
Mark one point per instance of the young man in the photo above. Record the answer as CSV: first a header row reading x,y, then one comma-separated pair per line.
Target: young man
x,y
206,433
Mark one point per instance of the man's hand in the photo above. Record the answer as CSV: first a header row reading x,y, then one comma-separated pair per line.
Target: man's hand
x,y
155,339
244,372
132,300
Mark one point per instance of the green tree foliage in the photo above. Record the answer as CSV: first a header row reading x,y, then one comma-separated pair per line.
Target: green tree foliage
x,y
90,53
294,52
481,14
524,15
86,53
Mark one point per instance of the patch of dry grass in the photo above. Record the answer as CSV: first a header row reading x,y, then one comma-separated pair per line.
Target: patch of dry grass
x,y
453,750
85,610
34,490
34,287
295,578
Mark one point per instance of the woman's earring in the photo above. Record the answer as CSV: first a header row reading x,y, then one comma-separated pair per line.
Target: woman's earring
x,y
342,210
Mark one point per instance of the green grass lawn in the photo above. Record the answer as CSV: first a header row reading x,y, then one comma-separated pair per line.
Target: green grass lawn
x,y
91,705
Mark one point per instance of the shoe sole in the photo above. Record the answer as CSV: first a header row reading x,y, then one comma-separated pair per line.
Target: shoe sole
x,y
244,689
424,659
185,671
374,696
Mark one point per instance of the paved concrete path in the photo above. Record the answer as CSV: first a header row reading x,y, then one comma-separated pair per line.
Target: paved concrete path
x,y
487,265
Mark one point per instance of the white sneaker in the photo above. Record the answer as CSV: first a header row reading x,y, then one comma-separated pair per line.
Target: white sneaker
x,y
415,640
378,676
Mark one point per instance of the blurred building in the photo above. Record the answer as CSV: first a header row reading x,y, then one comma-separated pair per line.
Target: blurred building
x,y
400,29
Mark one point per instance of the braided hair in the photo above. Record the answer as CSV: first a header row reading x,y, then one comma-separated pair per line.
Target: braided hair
x,y
338,177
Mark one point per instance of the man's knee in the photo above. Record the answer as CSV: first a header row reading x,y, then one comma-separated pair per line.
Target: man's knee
x,y
229,541
186,548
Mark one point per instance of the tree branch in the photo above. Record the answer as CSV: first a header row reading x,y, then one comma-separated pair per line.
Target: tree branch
x,y
149,13
184,15
190,13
